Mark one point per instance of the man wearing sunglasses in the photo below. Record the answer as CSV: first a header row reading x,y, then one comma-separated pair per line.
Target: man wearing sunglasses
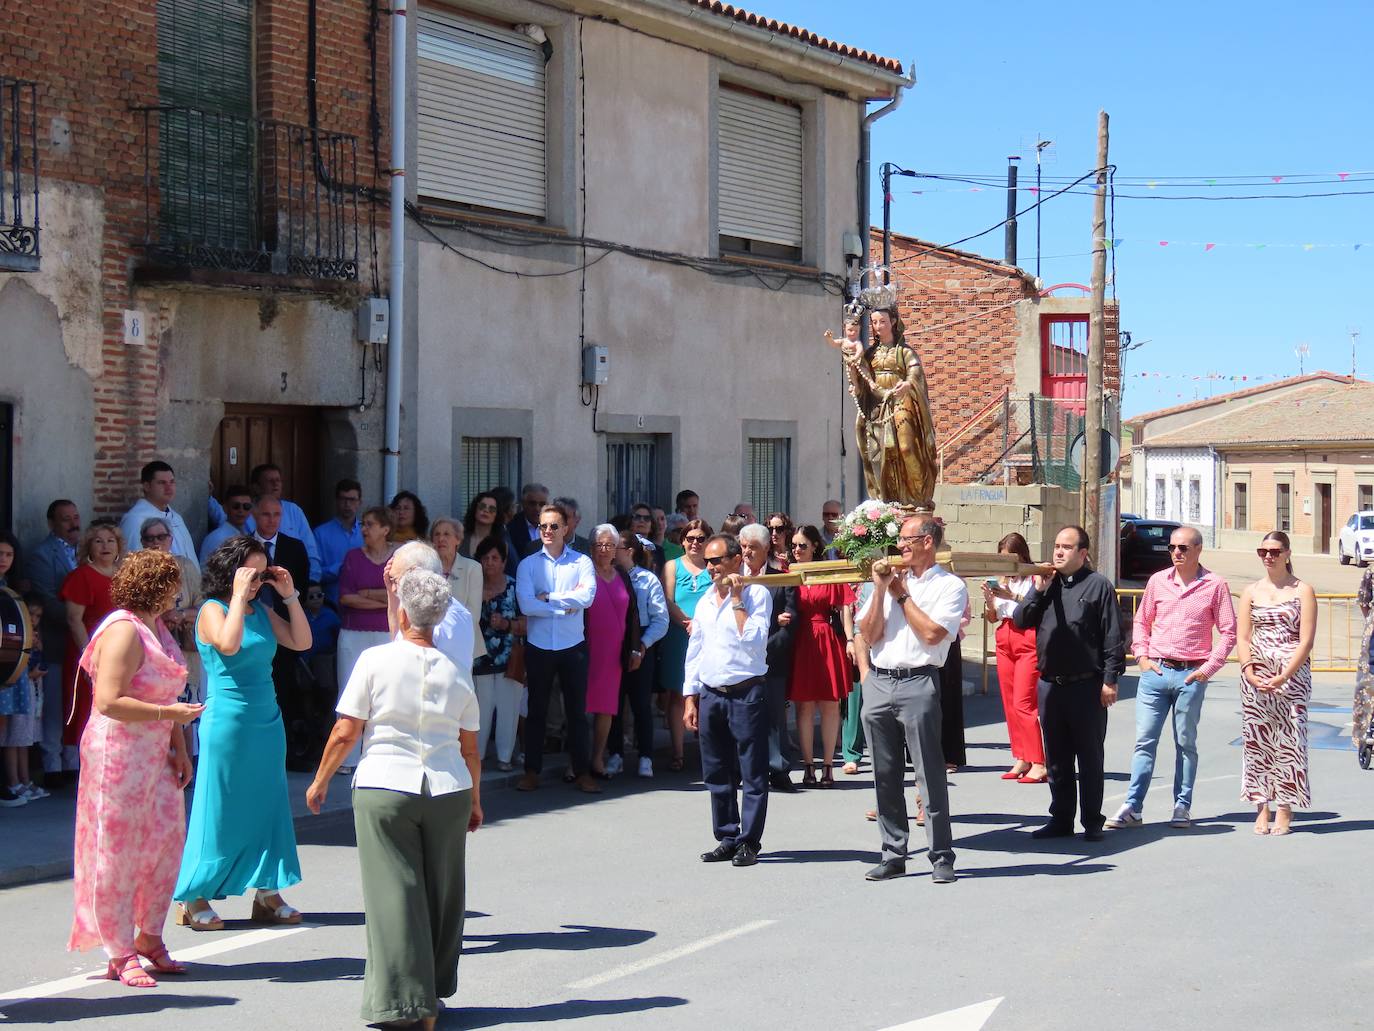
x,y
1081,656
909,622
238,503
727,662
1177,655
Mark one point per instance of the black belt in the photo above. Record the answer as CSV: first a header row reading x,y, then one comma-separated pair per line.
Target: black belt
x,y
908,672
729,690
1077,678
1179,663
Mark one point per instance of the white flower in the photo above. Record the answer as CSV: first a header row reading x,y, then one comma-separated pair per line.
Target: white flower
x,y
892,529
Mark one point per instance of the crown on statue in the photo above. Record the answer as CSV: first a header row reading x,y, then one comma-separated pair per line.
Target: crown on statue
x,y
879,294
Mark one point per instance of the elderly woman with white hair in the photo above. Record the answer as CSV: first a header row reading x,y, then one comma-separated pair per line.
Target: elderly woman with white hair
x,y
613,639
416,795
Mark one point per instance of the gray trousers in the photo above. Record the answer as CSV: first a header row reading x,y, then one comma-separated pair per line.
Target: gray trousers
x,y
411,850
899,713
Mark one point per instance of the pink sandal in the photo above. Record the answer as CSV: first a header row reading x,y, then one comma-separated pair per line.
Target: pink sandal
x,y
162,962
129,972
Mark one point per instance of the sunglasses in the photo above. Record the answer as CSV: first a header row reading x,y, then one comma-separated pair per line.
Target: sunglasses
x,y
486,508
153,538
1179,547
550,527
913,539
1268,552
693,538
240,506
717,560
799,545
645,516
776,529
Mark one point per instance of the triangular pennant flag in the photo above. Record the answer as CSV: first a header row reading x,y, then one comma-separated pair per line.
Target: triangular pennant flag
x,y
1358,246
1308,246
1164,243
1208,246
1277,178
1151,185
888,197
1344,176
1211,182
1035,189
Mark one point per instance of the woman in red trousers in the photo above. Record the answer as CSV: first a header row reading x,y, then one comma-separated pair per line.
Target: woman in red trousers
x,y
1016,668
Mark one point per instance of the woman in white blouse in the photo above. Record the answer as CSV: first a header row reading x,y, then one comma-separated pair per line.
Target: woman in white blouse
x,y
415,797
1016,668
464,575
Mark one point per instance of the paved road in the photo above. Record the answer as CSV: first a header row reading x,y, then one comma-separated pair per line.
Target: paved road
x,y
597,914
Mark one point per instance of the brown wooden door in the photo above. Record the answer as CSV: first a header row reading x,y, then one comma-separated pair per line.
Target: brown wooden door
x,y
1323,518
287,436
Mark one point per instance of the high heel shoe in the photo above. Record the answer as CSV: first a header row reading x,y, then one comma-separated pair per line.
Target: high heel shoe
x,y
198,919
827,776
161,960
266,913
129,972
809,776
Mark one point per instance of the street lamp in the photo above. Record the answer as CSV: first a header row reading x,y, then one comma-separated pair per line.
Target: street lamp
x,y
1040,146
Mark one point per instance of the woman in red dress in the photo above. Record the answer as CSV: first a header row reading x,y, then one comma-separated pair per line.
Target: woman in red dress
x,y
820,660
86,592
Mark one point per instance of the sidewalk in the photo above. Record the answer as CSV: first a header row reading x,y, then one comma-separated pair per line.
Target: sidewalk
x,y
36,839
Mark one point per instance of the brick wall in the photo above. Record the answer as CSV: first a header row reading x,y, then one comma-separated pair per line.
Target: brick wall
x,y
96,61
960,313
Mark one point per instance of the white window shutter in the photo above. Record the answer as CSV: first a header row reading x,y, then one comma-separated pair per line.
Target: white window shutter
x,y
480,124
760,168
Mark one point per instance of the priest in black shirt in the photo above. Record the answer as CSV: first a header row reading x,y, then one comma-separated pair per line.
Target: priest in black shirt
x,y
1078,639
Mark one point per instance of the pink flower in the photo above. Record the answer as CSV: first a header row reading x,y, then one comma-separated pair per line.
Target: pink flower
x,y
861,530
873,512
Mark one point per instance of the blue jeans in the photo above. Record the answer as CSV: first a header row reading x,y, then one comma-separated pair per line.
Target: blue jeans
x,y
1156,694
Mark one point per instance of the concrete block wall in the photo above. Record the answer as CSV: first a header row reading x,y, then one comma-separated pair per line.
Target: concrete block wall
x,y
978,516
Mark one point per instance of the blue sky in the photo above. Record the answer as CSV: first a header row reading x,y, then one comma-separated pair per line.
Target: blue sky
x,y
1206,90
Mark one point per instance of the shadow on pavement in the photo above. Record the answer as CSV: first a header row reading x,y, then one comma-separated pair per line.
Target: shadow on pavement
x,y
1316,822
61,1010
574,938
301,971
571,1009
821,855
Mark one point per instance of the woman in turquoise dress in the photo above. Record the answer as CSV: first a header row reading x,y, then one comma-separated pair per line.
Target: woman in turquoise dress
x,y
241,834
685,580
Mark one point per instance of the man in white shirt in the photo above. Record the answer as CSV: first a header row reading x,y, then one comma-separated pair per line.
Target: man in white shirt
x,y
908,625
726,668
453,635
554,586
159,484
267,479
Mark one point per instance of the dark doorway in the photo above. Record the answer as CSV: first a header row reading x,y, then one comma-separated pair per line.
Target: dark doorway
x,y
285,435
1323,542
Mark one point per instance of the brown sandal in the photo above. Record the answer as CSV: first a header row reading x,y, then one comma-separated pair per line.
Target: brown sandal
x,y
264,913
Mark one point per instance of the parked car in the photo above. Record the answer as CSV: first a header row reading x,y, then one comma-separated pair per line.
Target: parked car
x,y
1145,547
1357,539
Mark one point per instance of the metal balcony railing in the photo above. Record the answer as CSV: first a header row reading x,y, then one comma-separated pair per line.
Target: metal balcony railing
x,y
248,195
19,226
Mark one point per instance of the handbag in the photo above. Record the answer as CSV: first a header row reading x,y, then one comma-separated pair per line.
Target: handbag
x,y
515,665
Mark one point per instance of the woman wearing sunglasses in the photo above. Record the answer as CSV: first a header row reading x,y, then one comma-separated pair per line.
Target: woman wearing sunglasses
x,y
1277,624
685,580
780,531
821,675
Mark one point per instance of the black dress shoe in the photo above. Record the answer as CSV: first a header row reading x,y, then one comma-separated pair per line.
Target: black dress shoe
x,y
943,873
745,855
1051,830
782,782
1093,835
720,854
887,870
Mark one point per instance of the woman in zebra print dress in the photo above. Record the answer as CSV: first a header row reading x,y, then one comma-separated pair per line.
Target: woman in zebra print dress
x,y
1278,622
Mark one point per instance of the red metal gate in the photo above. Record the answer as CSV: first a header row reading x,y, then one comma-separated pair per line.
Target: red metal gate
x,y
1064,360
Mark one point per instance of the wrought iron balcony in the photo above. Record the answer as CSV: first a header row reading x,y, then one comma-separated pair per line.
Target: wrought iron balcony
x,y
19,229
231,199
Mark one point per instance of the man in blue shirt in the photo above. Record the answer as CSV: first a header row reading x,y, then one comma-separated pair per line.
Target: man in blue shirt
x,y
238,503
554,586
339,536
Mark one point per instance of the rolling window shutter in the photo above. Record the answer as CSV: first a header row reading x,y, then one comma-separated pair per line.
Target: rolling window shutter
x,y
480,123
760,169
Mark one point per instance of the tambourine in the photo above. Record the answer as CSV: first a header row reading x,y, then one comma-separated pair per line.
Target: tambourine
x,y
16,636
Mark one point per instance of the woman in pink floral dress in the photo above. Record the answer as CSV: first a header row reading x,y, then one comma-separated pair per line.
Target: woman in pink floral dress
x,y
130,812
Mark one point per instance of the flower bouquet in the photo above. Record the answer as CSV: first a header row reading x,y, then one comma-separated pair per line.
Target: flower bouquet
x,y
869,532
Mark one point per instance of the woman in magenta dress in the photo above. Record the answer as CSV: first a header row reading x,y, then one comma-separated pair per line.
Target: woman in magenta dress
x,y
821,675
86,593
612,630
130,811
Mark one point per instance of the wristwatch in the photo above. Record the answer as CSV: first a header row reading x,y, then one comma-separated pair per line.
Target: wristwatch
x,y
902,599
739,608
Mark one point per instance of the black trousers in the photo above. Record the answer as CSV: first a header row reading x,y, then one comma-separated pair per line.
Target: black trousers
x,y
637,691
733,730
569,667
1074,722
952,707
782,753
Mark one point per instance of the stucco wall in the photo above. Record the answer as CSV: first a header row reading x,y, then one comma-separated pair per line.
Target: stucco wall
x,y
1178,467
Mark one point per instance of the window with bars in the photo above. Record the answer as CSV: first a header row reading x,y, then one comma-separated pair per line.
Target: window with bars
x,y
489,462
1159,497
1365,496
632,473
768,474
1240,504
1194,499
1283,506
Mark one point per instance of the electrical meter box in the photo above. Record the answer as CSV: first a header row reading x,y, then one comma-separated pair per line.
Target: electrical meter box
x,y
374,320
596,365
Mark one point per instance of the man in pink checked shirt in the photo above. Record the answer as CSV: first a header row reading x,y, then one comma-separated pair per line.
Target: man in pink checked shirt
x,y
1177,654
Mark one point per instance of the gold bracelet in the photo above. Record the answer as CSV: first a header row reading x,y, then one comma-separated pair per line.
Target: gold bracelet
x,y
159,714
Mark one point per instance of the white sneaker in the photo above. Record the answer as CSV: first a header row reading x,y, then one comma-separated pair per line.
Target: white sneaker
x,y
1125,817
646,766
1182,818
615,764
33,791
11,798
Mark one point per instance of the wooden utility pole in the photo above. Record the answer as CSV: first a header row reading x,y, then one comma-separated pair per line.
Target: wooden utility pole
x,y
1090,490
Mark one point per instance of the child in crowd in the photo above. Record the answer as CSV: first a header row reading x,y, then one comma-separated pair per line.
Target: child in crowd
x,y
24,729
324,622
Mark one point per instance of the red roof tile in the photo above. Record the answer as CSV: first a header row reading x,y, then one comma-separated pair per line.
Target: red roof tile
x,y
796,32
1262,388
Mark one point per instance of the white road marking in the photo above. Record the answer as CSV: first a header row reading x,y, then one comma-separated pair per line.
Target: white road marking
x,y
966,1018
625,970
1161,783
213,948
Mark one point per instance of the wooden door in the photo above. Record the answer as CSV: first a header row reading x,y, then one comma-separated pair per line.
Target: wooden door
x,y
287,436
1323,541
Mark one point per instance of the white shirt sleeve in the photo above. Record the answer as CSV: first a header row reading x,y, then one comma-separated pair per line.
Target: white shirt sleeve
x,y
948,604
471,717
356,700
